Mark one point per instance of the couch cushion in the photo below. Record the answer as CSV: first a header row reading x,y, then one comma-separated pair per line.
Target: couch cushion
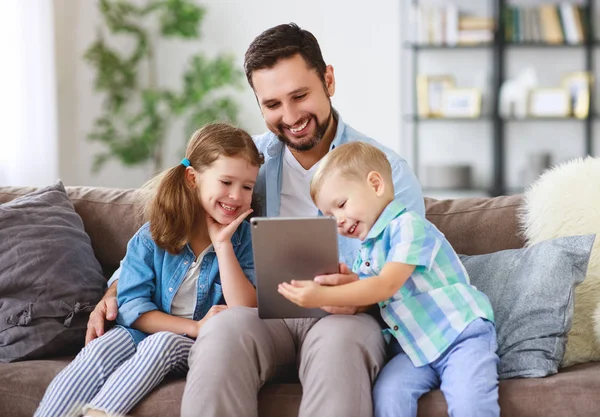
x,y
478,225
573,391
49,277
111,217
531,291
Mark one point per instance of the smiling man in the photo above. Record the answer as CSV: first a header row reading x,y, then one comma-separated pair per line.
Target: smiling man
x,y
337,357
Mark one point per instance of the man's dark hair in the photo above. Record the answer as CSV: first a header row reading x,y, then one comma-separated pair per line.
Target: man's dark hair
x,y
280,42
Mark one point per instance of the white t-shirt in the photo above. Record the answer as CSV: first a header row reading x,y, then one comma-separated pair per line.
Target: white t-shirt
x,y
184,301
295,188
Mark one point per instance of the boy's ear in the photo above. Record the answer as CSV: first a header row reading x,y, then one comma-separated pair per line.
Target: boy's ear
x,y
376,182
190,177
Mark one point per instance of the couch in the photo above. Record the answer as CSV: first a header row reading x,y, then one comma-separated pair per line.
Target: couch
x,y
472,225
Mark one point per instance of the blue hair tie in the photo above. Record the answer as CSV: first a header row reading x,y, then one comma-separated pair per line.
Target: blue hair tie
x,y
185,162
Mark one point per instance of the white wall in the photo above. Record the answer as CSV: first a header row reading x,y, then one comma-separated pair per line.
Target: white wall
x,y
360,39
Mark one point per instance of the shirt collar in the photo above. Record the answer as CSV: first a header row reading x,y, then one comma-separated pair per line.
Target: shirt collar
x,y
276,146
392,210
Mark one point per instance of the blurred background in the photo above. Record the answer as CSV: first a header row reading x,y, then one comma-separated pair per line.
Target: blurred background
x,y
479,97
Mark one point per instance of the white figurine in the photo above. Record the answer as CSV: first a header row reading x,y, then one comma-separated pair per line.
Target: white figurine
x,y
514,92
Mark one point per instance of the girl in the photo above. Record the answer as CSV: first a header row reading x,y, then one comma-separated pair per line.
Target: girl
x,y
193,256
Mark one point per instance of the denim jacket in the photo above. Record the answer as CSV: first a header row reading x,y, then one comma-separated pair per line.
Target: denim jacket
x,y
268,185
149,276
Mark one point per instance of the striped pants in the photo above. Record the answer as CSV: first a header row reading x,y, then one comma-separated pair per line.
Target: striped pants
x,y
110,374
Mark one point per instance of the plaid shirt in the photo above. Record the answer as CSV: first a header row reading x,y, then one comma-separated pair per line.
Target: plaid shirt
x,y
437,302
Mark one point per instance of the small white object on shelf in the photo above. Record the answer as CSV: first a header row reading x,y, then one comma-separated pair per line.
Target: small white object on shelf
x,y
514,94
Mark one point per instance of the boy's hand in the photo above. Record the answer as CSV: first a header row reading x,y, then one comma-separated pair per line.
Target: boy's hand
x,y
220,233
345,276
306,294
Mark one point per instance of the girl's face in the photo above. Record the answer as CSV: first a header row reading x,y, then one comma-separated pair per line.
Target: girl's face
x,y
225,188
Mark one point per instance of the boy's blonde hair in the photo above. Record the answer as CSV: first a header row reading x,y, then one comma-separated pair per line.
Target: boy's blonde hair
x,y
352,160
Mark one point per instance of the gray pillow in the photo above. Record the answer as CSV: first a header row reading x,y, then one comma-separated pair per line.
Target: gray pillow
x,y
49,277
531,291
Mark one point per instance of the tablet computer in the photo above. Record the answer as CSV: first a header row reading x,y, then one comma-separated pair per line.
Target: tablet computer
x,y
291,248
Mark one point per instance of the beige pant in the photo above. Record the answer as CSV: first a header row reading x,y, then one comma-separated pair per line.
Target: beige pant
x,y
337,358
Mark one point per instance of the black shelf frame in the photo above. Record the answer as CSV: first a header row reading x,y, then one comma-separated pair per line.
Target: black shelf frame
x,y
499,49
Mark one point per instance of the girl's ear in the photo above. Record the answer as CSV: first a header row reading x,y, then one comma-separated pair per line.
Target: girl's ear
x,y
190,177
376,182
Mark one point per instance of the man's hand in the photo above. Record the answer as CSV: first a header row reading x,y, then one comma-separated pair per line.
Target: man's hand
x,y
105,312
345,276
214,310
306,294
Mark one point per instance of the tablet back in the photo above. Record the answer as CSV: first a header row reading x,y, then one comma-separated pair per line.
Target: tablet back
x,y
286,249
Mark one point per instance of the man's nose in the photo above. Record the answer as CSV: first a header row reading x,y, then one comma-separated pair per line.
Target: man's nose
x,y
290,115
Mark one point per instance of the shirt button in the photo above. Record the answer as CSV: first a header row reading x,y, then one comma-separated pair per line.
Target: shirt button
x,y
395,327
367,263
171,289
384,306
202,286
185,263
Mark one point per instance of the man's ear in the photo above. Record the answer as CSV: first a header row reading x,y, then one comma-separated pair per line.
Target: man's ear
x,y
376,182
329,80
190,177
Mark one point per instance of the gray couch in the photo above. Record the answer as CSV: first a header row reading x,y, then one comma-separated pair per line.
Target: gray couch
x,y
473,226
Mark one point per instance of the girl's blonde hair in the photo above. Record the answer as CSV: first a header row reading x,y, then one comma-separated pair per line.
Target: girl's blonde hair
x,y
170,204
353,160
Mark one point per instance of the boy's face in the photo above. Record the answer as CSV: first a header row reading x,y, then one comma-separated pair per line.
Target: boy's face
x,y
294,102
355,204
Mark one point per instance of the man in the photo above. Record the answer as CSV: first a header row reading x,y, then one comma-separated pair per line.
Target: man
x,y
339,356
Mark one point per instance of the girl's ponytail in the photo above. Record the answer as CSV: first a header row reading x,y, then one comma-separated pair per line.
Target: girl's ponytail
x,y
174,211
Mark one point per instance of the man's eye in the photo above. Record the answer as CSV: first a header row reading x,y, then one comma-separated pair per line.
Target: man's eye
x,y
272,106
226,182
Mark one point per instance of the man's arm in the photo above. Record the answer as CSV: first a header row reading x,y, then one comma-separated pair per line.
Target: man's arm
x,y
358,293
105,310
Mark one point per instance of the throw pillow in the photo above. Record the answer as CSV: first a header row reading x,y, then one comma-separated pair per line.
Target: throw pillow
x,y
531,291
564,201
49,277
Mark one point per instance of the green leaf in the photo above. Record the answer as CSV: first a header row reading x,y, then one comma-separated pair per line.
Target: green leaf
x,y
181,18
136,114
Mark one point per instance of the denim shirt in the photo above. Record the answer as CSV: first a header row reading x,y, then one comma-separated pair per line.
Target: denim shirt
x,y
268,185
149,276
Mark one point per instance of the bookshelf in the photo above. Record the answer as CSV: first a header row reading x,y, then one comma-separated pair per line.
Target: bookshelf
x,y
509,33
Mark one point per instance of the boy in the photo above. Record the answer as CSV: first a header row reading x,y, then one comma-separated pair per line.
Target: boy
x,y
442,327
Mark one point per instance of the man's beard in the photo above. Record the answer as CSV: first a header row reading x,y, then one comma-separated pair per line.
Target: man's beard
x,y
306,143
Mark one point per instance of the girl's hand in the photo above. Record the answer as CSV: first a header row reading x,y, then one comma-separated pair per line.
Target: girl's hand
x,y
214,310
220,233
306,294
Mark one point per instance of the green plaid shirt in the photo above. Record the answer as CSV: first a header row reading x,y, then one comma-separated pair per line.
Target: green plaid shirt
x,y
437,302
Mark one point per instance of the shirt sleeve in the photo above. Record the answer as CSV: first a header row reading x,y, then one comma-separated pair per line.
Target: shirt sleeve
x,y
413,241
115,275
407,188
137,280
245,254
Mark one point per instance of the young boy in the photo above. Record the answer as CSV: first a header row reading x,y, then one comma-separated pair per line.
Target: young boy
x,y
442,327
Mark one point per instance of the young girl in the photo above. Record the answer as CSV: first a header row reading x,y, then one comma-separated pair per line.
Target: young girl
x,y
193,256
